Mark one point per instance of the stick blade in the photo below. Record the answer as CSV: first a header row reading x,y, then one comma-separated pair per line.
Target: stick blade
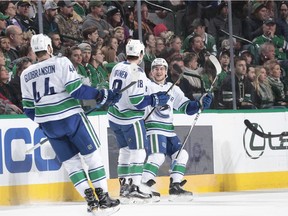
x,y
216,63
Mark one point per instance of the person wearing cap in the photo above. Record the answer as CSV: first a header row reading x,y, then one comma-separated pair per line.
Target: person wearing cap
x,y
199,27
48,18
68,26
21,18
80,8
220,22
224,60
94,18
269,30
282,24
253,24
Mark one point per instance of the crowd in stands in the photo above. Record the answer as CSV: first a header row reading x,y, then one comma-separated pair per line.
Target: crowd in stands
x,y
93,35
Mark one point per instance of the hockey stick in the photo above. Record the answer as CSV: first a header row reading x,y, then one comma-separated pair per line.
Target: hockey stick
x,y
218,67
177,68
135,76
253,128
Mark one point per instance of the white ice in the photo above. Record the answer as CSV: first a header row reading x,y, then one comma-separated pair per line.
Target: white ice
x,y
253,203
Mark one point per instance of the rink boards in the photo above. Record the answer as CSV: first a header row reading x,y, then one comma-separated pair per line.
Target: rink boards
x,y
224,156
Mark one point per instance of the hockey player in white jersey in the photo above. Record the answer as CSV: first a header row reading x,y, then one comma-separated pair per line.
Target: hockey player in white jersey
x,y
126,121
50,90
162,138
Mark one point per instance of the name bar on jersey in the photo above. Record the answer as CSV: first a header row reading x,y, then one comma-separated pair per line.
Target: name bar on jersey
x,y
39,72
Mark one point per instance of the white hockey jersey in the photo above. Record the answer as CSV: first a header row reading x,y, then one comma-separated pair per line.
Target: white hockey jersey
x,y
161,119
124,112
46,88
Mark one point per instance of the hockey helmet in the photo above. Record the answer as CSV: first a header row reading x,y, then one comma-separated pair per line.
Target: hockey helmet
x,y
159,61
134,48
40,42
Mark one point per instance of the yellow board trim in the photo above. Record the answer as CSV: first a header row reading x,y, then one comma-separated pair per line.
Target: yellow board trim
x,y
15,195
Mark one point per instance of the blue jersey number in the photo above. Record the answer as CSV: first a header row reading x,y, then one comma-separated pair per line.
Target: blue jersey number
x,y
47,90
117,84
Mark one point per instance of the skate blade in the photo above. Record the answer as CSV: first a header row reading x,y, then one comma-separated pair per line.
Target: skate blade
x,y
106,212
125,200
137,201
180,198
155,199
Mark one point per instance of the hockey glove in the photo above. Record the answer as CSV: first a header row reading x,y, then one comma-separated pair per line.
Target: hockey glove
x,y
108,97
159,99
205,101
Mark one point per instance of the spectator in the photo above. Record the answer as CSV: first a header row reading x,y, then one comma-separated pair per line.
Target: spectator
x,y
282,20
8,9
5,47
252,27
160,30
274,78
15,35
118,33
68,27
6,90
199,27
150,48
3,23
160,46
220,22
6,107
192,72
94,18
251,75
245,93
269,29
48,18
21,64
264,94
130,23
101,74
58,49
91,36
197,46
21,19
80,7
224,60
248,56
110,49
175,43
266,52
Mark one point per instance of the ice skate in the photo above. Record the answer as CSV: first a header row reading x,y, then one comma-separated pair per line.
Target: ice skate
x,y
92,203
107,205
136,195
155,194
124,191
177,193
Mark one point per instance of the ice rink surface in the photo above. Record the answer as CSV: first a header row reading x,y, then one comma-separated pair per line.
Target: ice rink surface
x,y
259,203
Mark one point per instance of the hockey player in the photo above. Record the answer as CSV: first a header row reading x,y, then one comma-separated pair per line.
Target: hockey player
x,y
162,138
126,120
50,89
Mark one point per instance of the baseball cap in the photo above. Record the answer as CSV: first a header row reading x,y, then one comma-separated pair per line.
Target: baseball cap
x,y
269,21
66,3
23,3
50,4
3,17
257,6
112,10
159,28
95,3
85,47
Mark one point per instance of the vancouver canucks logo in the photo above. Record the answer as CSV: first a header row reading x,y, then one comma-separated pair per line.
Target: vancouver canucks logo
x,y
163,111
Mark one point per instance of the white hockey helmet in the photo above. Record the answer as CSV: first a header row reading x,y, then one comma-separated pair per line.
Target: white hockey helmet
x,y
134,48
159,61
40,42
